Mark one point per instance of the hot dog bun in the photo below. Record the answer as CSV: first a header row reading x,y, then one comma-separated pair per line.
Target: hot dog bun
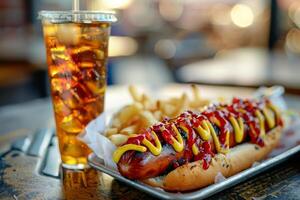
x,y
192,176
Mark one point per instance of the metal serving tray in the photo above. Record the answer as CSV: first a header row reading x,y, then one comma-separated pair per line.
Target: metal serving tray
x,y
98,164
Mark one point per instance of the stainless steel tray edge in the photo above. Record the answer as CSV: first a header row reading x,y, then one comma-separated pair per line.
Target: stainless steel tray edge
x,y
97,163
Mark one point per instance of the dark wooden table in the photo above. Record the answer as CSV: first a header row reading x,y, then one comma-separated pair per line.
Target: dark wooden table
x,y
22,166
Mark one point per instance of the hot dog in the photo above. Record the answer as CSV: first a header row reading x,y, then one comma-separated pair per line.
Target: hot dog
x,y
187,152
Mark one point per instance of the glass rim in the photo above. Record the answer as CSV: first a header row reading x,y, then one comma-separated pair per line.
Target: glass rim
x,y
84,16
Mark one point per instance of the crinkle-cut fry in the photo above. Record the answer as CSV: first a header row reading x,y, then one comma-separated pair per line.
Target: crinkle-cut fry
x,y
136,96
118,139
110,131
129,130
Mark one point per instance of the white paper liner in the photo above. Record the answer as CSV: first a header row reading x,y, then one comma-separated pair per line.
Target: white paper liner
x,y
219,178
101,145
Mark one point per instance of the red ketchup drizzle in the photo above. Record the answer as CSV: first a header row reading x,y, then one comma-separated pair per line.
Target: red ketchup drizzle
x,y
140,137
224,127
136,140
239,108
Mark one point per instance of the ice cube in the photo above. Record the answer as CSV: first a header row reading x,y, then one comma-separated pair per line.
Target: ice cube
x,y
71,124
99,54
96,87
86,64
60,85
83,54
60,108
51,42
91,74
81,93
50,30
69,100
81,49
68,34
59,55
73,149
66,70
95,36
59,71
83,115
96,107
95,44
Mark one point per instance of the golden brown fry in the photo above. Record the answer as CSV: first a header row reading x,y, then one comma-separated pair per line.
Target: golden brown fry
x,y
196,92
111,131
128,113
129,130
118,139
157,115
147,119
134,93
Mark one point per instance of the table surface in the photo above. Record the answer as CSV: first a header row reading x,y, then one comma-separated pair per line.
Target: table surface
x,y
20,171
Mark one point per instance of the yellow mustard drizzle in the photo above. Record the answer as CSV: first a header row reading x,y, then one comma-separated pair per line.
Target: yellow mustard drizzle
x,y
127,147
203,130
275,110
206,131
261,120
216,140
270,118
195,149
177,144
238,126
155,150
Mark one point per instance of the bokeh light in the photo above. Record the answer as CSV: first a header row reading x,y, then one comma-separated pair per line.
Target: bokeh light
x,y
293,40
242,15
108,4
121,46
171,10
294,13
165,48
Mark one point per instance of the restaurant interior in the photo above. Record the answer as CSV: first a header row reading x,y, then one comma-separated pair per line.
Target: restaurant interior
x,y
236,42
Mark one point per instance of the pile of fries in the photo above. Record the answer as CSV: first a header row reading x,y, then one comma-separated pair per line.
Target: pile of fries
x,y
146,111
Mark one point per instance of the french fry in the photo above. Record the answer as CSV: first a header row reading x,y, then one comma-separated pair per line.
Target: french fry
x,y
146,111
169,109
147,119
157,115
127,114
116,122
111,131
196,92
129,130
134,93
118,139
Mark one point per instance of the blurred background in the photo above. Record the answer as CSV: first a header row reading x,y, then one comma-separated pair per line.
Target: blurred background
x,y
232,42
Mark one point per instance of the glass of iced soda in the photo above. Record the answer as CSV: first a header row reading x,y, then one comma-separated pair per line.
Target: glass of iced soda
x,y
77,50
